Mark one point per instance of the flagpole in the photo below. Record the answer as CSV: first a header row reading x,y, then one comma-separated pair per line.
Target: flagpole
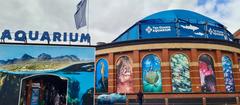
x,y
88,25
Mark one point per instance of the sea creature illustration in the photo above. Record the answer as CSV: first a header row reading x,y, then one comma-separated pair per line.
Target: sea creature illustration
x,y
102,73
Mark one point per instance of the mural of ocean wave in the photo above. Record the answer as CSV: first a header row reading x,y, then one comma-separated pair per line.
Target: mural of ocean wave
x,y
228,74
151,74
180,73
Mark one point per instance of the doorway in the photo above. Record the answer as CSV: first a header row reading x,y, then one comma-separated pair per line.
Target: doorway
x,y
43,90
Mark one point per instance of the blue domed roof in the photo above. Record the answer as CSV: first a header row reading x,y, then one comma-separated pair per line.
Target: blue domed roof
x,y
176,24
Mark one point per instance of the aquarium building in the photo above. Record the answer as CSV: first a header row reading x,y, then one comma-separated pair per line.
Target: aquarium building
x,y
174,57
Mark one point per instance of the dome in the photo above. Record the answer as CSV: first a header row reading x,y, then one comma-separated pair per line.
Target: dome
x,y
176,24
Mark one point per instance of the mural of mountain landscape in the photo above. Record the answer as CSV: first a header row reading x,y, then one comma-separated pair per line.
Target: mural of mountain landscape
x,y
42,62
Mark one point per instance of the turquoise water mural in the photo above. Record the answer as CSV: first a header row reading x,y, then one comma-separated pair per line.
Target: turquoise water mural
x,y
180,73
151,74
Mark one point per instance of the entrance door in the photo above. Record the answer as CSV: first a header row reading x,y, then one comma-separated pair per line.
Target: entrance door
x,y
43,90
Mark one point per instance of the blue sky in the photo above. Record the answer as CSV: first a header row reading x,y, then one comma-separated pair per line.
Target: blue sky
x,y
17,51
203,2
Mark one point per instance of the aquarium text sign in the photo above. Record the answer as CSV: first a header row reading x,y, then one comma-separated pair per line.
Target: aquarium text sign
x,y
45,36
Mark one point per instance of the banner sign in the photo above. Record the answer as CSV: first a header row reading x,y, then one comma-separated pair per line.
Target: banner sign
x,y
157,30
170,30
45,36
191,30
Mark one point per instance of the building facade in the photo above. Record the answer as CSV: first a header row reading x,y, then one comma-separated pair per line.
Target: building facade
x,y
173,57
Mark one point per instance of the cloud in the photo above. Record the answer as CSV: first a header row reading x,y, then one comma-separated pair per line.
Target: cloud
x,y
224,12
108,18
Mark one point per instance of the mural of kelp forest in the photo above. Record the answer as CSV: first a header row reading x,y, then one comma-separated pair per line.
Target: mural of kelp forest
x,y
101,82
180,73
46,75
151,74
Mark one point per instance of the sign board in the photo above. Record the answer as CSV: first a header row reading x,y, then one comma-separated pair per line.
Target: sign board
x,y
44,37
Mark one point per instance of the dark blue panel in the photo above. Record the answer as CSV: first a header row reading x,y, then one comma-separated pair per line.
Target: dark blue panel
x,y
133,33
166,30
191,30
216,33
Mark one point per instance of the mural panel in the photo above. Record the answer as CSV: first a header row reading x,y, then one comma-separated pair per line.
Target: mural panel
x,y
151,74
124,75
76,64
228,74
206,69
101,76
180,73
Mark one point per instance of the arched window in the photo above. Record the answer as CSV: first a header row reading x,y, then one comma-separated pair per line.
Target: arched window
x,y
151,74
206,69
228,74
180,73
101,80
124,75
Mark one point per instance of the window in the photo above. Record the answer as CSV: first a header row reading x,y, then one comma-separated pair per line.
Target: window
x,y
151,74
180,73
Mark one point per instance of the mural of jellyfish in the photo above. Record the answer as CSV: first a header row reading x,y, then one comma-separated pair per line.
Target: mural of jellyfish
x,y
228,74
206,69
151,74
180,73
124,75
101,83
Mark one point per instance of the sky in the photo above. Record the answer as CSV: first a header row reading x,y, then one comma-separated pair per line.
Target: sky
x,y
107,18
17,51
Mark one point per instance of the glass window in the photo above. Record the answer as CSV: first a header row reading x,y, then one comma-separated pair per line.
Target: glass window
x,y
180,73
151,74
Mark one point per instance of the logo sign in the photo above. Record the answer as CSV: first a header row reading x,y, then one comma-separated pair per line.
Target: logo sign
x,y
156,29
215,32
45,36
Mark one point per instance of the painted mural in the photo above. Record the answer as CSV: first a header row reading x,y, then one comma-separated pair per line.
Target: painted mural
x,y
228,74
124,75
111,99
101,82
151,74
206,69
76,64
180,73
